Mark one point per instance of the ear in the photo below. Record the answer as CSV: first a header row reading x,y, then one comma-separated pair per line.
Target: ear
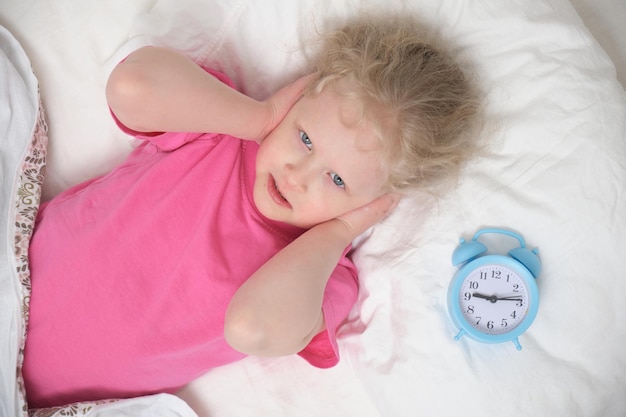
x,y
466,251
527,258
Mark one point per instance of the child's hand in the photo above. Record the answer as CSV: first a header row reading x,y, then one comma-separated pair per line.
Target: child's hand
x,y
282,101
278,310
359,220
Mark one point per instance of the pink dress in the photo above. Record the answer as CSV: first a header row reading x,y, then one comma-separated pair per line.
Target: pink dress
x,y
132,272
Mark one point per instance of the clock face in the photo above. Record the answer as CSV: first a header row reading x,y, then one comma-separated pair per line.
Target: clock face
x,y
493,299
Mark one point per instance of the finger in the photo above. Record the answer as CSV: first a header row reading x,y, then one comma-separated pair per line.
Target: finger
x,y
294,90
382,206
362,218
286,97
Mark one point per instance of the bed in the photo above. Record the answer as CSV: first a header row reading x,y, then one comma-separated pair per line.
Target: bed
x,y
555,171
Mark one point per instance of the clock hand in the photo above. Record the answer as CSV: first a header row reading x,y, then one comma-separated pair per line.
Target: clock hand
x,y
494,298
512,298
491,298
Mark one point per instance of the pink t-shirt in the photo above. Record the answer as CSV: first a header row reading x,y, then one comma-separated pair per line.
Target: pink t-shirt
x,y
132,272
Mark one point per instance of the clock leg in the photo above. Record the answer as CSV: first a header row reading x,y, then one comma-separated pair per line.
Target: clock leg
x,y
459,335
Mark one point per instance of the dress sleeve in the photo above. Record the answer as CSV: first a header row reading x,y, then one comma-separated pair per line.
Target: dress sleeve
x,y
339,298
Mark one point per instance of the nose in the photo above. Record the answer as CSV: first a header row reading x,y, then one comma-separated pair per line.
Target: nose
x,y
296,177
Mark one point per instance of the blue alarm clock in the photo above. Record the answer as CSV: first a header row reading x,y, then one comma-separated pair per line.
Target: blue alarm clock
x,y
493,298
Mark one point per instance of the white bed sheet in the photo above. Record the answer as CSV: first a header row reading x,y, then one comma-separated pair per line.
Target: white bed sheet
x,y
556,173
605,20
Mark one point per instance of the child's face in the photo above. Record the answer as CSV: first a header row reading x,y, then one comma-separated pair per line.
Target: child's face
x,y
318,163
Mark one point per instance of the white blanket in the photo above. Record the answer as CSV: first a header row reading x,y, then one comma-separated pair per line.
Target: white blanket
x,y
555,172
18,116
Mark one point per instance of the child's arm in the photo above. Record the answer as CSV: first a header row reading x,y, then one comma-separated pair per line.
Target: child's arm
x,y
159,90
277,311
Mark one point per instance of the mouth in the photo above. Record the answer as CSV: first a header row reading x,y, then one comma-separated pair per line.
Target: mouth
x,y
275,193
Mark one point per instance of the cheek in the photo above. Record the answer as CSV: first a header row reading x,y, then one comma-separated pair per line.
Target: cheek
x,y
267,153
328,206
318,210
275,147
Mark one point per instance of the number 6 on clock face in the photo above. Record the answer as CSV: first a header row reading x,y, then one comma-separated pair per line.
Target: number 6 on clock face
x,y
493,298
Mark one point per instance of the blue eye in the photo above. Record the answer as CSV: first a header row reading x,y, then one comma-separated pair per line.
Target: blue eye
x,y
337,180
306,140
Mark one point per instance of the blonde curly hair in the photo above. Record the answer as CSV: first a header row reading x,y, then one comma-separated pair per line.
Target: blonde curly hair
x,y
424,106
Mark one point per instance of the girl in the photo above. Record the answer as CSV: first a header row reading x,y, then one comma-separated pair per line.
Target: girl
x,y
202,248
